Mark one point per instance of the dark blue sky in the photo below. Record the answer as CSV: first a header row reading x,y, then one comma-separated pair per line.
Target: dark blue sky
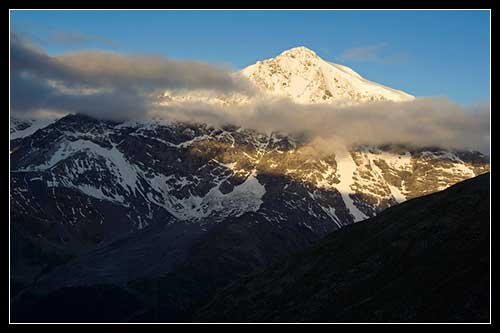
x,y
425,53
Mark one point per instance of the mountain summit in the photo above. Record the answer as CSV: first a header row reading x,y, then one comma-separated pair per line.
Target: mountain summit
x,y
300,74
299,51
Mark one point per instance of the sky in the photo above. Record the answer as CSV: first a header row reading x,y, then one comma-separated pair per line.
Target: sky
x,y
425,53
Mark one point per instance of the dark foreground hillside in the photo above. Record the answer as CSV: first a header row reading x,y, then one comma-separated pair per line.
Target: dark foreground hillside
x,y
426,260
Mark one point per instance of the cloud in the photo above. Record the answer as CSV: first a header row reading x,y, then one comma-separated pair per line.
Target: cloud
x,y
30,96
371,53
110,84
422,122
73,39
147,72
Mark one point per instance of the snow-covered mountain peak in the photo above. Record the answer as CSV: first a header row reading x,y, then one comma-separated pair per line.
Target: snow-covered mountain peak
x,y
301,75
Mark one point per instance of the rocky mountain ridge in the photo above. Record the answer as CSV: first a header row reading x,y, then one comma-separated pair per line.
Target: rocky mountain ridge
x,y
196,173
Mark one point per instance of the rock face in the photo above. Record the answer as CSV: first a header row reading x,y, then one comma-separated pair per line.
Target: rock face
x,y
425,260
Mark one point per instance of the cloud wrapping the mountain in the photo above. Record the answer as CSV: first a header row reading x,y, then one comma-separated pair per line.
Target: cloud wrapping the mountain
x,y
422,122
120,87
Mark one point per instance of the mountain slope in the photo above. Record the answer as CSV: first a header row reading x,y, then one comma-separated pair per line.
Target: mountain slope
x,y
424,260
20,128
191,207
198,173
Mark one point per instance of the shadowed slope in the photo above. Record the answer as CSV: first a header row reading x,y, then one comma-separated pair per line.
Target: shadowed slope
x,y
424,260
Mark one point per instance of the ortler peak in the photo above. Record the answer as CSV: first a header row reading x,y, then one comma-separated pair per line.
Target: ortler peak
x,y
301,75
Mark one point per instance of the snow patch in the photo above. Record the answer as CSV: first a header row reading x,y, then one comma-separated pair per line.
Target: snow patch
x,y
345,169
35,125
